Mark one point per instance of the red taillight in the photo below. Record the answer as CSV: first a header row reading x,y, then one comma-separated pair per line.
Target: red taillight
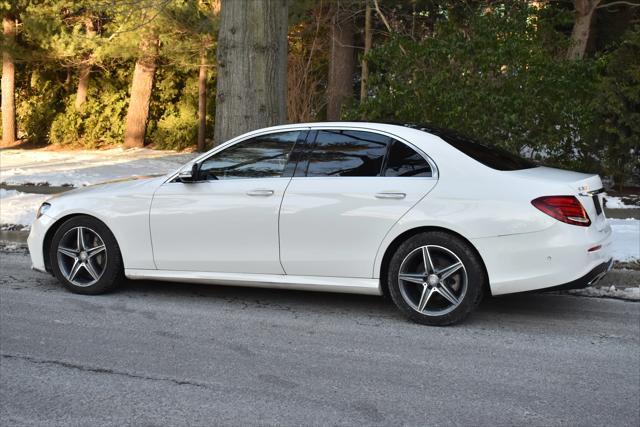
x,y
563,208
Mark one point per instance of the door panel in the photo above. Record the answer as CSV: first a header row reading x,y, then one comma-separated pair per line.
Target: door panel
x,y
333,226
227,222
226,226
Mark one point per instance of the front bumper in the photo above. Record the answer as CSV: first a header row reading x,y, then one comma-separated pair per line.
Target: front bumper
x,y
35,242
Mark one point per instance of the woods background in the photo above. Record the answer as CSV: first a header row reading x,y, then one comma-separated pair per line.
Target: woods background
x,y
557,81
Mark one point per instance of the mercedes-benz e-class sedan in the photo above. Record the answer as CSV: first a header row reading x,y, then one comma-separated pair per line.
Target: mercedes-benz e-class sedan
x,y
426,216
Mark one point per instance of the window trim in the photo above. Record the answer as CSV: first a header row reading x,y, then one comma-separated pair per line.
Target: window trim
x,y
435,174
304,133
310,143
385,162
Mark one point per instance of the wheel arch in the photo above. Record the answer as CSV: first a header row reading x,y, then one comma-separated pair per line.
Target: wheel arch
x,y
391,248
48,237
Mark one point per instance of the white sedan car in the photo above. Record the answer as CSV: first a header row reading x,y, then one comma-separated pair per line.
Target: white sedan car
x,y
426,216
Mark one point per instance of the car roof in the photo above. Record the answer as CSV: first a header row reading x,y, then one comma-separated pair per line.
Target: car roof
x,y
436,130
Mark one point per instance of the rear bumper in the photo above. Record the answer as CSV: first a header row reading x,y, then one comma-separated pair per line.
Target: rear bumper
x,y
562,255
589,279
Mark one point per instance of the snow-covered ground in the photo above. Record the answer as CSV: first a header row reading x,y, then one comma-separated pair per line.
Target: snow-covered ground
x,y
632,293
626,239
71,168
17,208
79,168
614,202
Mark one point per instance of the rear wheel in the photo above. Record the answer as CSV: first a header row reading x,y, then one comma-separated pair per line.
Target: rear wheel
x,y
435,278
85,256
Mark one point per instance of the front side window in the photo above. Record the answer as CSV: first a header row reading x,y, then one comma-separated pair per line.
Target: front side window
x,y
403,160
347,153
264,156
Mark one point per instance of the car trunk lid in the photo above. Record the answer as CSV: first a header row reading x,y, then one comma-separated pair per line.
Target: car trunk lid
x,y
587,188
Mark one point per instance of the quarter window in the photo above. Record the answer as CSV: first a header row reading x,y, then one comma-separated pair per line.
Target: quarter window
x,y
264,156
405,161
347,153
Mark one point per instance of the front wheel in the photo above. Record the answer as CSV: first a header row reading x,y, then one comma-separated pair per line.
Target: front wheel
x,y
435,278
85,256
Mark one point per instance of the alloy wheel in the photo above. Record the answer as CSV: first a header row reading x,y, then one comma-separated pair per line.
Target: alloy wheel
x,y
432,280
82,256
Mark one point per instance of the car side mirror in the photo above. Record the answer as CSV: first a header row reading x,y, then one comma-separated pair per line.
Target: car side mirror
x,y
189,175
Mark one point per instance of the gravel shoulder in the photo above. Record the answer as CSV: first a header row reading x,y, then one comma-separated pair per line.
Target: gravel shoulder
x,y
176,354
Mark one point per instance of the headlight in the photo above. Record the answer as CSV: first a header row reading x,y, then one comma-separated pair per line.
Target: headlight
x,y
42,209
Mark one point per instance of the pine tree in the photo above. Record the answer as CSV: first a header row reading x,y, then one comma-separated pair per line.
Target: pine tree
x,y
8,81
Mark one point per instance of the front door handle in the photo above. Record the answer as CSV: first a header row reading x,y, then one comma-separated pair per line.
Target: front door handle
x,y
390,195
260,192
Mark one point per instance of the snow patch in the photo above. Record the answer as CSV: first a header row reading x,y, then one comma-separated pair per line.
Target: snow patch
x,y
17,208
614,202
626,239
609,292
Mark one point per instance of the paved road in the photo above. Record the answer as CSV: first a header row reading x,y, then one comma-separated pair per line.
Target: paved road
x,y
160,354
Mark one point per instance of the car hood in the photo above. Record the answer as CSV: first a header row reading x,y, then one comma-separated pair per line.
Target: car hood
x,y
131,185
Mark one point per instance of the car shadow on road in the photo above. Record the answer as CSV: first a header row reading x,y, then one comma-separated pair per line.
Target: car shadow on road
x,y
529,308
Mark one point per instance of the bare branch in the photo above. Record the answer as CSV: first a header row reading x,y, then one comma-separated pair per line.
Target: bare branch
x,y
384,19
386,23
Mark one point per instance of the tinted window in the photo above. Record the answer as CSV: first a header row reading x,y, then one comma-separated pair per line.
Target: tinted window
x,y
405,161
347,153
260,157
493,157
490,156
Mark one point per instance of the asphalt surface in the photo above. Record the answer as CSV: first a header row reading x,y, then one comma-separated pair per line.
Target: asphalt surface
x,y
174,354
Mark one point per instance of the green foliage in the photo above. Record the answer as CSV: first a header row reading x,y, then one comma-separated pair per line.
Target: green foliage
x,y
618,110
60,35
173,112
101,120
497,77
177,128
38,99
174,109
492,69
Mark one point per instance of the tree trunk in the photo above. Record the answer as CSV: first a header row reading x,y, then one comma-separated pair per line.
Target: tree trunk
x,y
252,66
85,70
138,112
83,86
202,100
341,63
8,85
367,47
581,27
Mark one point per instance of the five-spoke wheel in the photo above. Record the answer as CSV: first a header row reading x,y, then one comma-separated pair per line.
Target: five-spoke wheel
x,y
85,256
435,278
432,280
82,256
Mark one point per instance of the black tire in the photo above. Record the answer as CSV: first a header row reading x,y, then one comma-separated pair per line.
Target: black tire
x,y
466,290
109,260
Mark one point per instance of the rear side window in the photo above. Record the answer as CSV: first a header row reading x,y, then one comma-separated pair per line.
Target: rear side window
x,y
347,153
493,157
403,160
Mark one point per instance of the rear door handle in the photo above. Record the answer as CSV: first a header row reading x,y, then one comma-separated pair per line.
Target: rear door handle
x,y
390,195
260,192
